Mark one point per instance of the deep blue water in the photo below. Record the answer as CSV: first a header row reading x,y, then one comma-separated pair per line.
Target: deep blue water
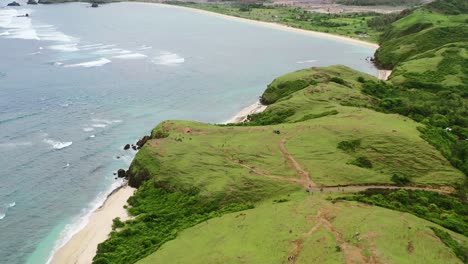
x,y
77,83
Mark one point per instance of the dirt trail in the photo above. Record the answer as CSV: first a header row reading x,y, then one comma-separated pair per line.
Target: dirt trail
x,y
302,173
352,253
305,181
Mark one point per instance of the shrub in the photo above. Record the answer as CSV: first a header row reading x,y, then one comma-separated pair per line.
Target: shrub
x,y
362,162
400,179
349,145
338,80
117,223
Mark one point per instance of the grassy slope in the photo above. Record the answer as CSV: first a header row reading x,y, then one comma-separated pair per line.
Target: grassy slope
x,y
262,235
447,65
388,140
232,166
421,31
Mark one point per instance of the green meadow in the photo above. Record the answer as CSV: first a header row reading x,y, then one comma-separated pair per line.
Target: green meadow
x,y
308,229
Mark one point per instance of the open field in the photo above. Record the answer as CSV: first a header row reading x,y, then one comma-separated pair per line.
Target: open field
x,y
316,231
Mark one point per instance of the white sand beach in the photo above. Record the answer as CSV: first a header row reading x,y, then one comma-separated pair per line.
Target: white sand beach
x,y
242,115
81,248
270,25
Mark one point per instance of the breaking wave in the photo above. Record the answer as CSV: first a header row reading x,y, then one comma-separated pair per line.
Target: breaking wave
x,y
57,144
4,209
89,64
167,58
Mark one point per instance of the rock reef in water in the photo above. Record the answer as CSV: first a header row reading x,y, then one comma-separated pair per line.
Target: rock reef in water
x,y
14,3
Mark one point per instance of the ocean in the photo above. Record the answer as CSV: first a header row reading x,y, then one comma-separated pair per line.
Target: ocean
x,y
78,83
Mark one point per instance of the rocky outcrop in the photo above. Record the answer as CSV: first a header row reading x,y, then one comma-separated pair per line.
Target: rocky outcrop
x,y
142,141
126,147
32,2
121,173
14,3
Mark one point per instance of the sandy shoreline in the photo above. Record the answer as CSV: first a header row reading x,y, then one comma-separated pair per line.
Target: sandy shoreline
x,y
81,248
269,24
242,115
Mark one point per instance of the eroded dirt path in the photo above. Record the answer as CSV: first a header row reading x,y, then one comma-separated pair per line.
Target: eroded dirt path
x,y
301,172
352,253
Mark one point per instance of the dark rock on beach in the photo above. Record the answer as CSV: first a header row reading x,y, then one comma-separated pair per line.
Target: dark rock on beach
x,y
127,147
14,3
121,173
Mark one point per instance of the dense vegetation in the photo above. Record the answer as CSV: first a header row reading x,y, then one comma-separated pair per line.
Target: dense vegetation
x,y
160,212
444,210
449,7
459,250
444,110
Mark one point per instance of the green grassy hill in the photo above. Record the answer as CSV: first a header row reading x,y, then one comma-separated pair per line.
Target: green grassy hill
x,y
308,229
419,32
190,172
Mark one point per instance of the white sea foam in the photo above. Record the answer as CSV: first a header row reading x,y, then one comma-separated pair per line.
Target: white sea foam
x,y
130,56
71,47
4,209
57,63
49,32
89,64
144,47
99,125
168,58
92,136
306,61
18,27
111,51
88,129
91,46
5,33
105,121
81,220
57,144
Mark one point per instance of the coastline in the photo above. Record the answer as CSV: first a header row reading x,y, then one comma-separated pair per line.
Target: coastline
x,y
244,113
81,248
267,24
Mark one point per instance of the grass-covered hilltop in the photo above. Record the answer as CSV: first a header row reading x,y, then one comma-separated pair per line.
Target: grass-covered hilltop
x,y
340,168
